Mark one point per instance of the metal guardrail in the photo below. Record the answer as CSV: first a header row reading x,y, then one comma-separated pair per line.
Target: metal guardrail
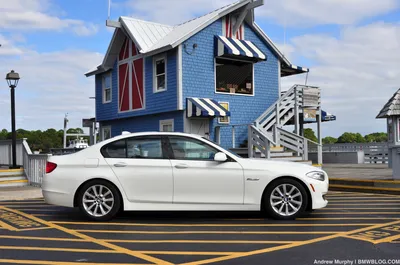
x,y
6,152
35,168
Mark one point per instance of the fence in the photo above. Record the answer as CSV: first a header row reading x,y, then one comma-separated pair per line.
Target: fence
x,y
374,153
34,165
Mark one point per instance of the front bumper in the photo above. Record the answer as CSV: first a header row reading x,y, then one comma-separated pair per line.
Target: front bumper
x,y
318,190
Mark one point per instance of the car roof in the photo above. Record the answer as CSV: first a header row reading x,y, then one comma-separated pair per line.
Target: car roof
x,y
128,134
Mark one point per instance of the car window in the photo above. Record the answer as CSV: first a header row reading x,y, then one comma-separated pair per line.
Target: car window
x,y
115,149
191,149
150,148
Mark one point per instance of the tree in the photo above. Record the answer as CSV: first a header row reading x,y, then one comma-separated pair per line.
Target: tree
x,y
329,140
349,137
309,134
376,137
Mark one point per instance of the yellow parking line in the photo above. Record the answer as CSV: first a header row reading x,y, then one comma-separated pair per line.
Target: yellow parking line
x,y
383,200
40,210
372,204
94,240
7,226
355,212
30,206
199,225
346,218
3,203
60,249
210,232
357,238
302,243
361,194
45,262
387,239
151,252
199,241
341,208
44,238
350,198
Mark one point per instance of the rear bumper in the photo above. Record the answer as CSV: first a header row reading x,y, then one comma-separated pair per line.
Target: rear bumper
x,y
58,198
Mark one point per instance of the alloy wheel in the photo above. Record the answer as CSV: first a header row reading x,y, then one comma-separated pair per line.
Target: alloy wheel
x,y
98,200
286,199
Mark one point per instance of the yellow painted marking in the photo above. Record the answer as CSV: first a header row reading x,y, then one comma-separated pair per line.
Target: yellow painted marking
x,y
94,240
61,249
29,207
199,225
361,194
31,229
356,238
45,262
15,222
4,203
40,210
382,200
355,213
200,241
210,232
44,238
363,187
7,226
376,204
11,170
385,208
187,253
347,218
379,235
13,181
367,180
357,197
301,243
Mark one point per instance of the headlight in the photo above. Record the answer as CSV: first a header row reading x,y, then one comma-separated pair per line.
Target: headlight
x,y
318,175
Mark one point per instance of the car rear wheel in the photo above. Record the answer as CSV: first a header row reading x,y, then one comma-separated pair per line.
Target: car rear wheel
x,y
285,199
99,200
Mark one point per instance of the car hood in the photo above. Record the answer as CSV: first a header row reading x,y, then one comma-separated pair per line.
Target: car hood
x,y
283,167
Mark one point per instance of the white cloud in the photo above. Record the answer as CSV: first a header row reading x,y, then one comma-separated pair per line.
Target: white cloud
x,y
171,12
27,15
357,72
52,84
291,12
8,47
315,12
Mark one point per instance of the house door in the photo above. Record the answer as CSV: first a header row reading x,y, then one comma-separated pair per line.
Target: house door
x,y
200,127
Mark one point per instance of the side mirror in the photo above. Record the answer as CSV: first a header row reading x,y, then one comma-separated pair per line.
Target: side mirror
x,y
220,157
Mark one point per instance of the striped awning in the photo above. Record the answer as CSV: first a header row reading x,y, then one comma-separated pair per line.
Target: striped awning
x,y
233,48
205,107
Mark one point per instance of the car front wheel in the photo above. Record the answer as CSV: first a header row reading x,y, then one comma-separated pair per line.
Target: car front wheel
x,y
99,200
285,199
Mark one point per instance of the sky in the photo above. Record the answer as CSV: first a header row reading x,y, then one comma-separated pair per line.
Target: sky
x,y
352,48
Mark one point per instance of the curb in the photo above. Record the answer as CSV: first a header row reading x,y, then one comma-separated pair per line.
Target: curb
x,y
368,186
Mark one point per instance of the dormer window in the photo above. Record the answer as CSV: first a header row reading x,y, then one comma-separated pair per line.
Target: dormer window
x,y
160,73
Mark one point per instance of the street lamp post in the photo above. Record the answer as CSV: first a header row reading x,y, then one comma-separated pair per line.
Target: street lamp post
x,y
12,80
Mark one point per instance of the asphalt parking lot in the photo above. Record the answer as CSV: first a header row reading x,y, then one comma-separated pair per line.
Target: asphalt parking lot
x,y
354,227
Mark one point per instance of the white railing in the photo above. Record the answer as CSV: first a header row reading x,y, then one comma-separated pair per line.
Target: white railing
x,y
258,141
373,152
297,143
34,165
6,152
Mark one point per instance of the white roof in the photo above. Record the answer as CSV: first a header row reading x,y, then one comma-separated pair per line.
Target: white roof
x,y
145,34
183,31
152,38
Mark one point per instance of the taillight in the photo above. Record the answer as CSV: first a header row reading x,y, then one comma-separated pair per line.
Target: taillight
x,y
50,166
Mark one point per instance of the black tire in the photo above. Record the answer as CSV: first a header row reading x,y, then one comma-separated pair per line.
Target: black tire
x,y
288,202
115,207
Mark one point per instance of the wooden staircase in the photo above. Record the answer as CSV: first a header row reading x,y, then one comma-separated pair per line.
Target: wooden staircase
x,y
12,178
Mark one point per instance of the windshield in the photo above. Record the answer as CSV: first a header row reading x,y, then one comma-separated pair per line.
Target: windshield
x,y
229,151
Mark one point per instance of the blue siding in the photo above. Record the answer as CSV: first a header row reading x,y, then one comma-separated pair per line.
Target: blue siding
x,y
154,102
144,123
199,81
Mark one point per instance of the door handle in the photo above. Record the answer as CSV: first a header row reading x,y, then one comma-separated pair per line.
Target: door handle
x,y
181,166
120,164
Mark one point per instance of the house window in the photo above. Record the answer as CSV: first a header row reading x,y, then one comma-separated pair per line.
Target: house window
x,y
106,83
225,119
234,77
160,73
106,132
167,125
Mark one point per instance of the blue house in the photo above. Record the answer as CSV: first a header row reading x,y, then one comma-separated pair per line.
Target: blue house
x,y
214,75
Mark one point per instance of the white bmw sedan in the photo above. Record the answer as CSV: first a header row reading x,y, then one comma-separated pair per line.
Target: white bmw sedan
x,y
178,172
